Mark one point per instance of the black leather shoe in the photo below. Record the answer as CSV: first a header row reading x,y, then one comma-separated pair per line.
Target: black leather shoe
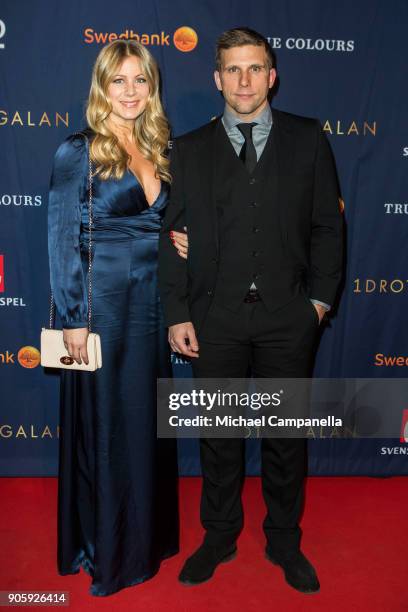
x,y
202,564
299,572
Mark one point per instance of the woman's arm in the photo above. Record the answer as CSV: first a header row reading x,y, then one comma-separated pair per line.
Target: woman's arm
x,y
67,196
68,193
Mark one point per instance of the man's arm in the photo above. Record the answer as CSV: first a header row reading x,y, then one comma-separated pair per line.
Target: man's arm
x,y
172,272
326,251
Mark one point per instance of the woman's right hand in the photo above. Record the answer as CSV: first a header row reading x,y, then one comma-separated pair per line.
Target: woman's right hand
x,y
75,341
180,242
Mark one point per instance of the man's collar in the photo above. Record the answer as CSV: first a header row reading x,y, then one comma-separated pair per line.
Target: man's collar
x,y
230,120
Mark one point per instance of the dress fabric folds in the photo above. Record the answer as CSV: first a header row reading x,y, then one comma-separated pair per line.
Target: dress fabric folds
x,y
117,498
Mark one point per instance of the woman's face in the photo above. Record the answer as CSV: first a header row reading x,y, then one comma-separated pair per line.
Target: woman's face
x,y
128,91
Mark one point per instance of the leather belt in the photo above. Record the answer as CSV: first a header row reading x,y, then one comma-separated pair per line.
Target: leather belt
x,y
253,295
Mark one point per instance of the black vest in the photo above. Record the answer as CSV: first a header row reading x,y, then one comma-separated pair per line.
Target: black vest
x,y
251,245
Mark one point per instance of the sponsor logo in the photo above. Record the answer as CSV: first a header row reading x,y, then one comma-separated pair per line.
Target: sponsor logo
x,y
396,209
388,361
311,44
350,128
29,357
394,450
7,301
12,302
27,119
2,33
1,273
399,450
341,205
404,426
184,38
370,285
20,200
28,431
405,152
7,358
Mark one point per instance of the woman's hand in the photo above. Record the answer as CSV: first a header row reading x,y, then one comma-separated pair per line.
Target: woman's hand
x,y
180,242
75,341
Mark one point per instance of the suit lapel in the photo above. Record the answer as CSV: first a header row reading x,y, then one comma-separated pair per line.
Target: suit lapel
x,y
207,174
284,144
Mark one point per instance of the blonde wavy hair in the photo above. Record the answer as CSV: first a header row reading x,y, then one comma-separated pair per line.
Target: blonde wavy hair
x,y
151,129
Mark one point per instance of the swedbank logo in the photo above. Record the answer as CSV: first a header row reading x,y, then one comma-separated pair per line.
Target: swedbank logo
x,y
29,357
185,39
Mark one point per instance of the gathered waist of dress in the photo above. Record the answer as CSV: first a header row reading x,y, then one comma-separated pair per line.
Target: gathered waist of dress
x,y
122,228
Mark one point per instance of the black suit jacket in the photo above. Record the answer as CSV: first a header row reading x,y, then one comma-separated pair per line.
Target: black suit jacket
x,y
309,213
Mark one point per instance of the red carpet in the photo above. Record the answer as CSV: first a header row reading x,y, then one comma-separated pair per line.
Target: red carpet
x,y
355,532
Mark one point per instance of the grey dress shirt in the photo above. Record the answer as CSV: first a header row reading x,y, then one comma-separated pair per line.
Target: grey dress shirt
x,y
260,132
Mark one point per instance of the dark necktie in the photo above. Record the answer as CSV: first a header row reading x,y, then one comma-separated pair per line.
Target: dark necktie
x,y
248,152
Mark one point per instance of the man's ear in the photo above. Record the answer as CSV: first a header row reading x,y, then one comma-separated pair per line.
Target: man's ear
x,y
217,80
272,77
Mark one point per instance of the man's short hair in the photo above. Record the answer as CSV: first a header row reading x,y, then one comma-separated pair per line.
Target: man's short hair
x,y
238,37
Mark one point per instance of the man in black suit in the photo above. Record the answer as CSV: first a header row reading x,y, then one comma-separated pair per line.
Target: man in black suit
x,y
258,192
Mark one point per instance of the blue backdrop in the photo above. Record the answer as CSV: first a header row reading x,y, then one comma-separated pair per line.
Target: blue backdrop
x,y
341,62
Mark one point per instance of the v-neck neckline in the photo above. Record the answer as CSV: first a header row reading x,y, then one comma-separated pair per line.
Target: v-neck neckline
x,y
143,191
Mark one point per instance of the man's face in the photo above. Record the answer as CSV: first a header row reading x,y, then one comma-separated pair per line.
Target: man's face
x,y
245,80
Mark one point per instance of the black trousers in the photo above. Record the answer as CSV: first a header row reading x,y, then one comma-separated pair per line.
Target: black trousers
x,y
278,345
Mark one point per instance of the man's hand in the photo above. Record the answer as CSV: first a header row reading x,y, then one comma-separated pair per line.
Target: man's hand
x,y
75,341
182,339
321,311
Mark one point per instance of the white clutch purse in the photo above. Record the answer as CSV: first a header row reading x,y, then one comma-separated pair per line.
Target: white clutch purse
x,y
55,355
53,351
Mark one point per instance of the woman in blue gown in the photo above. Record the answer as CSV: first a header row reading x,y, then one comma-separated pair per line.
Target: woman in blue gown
x,y
117,500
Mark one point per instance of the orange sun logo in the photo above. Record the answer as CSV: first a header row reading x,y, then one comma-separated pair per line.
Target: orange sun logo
x,y
29,357
185,39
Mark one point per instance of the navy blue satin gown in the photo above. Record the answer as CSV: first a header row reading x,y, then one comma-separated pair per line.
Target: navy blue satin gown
x,y
117,501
